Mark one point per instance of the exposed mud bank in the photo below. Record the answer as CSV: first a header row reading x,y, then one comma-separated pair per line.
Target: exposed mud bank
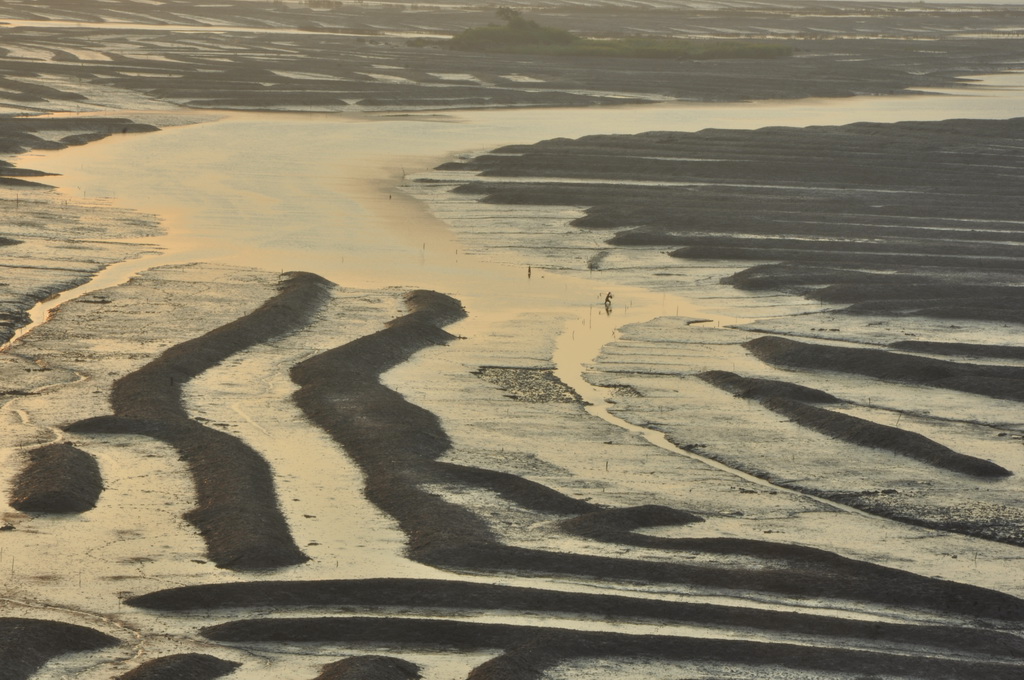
x,y
870,250
870,434
843,579
960,349
783,451
918,218
345,387
57,478
761,389
370,668
394,441
999,382
37,266
404,449
791,400
524,661
27,644
182,667
237,511
541,647
452,596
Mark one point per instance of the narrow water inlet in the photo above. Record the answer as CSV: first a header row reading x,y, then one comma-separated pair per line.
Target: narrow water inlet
x,y
112,275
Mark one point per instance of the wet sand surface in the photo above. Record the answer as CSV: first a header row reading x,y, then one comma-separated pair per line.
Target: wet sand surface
x,y
442,449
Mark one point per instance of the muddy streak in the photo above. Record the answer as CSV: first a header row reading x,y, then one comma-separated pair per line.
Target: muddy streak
x,y
237,512
796,403
57,478
191,666
546,646
455,596
29,643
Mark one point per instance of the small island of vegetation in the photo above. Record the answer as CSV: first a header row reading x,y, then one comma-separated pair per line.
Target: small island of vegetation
x,y
525,36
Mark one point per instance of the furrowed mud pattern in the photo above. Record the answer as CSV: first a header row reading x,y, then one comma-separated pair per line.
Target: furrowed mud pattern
x,y
397,443
991,521
455,596
57,478
998,382
539,647
936,201
846,427
27,644
180,666
960,349
237,511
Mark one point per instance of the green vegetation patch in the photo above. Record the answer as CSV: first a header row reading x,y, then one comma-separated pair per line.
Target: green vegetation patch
x,y
524,36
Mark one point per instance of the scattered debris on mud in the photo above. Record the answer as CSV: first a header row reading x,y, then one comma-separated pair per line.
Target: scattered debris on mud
x,y
536,385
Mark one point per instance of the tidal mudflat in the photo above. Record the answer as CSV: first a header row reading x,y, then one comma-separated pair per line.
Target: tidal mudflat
x,y
667,402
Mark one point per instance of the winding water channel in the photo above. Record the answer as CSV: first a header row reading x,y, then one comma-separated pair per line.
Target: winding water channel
x,y
321,192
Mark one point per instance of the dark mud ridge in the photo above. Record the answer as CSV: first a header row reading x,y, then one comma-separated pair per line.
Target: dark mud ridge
x,y
537,648
57,478
963,349
999,382
917,218
237,511
369,668
182,667
451,596
790,400
27,644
